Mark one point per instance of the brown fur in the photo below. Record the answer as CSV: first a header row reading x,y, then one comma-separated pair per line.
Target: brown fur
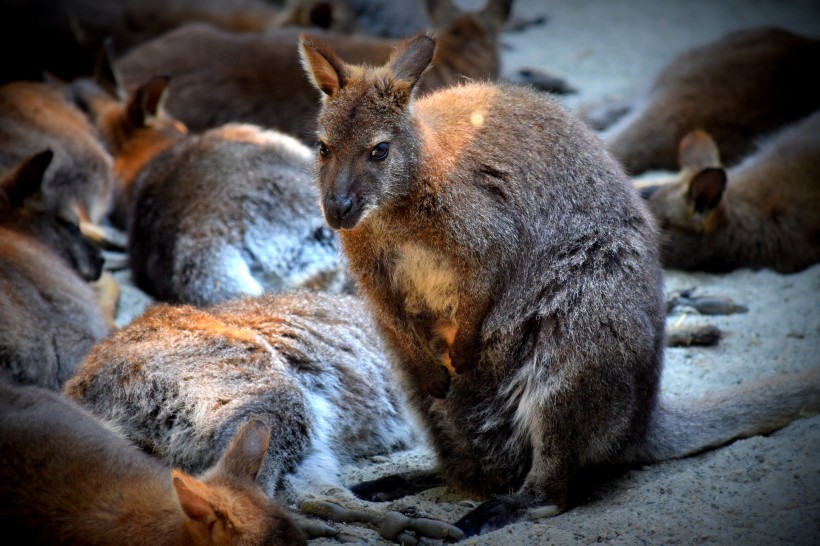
x,y
220,77
49,315
764,212
738,88
68,478
514,271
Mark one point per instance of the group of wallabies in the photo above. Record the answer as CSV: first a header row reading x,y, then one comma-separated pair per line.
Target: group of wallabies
x,y
361,239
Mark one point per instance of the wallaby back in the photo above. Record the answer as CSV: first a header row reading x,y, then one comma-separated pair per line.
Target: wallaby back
x,y
220,77
228,213
738,88
178,380
68,478
513,269
49,315
763,212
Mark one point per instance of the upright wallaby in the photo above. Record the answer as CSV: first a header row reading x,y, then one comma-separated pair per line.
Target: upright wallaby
x,y
178,380
35,116
49,315
227,213
69,478
219,77
738,88
514,270
764,212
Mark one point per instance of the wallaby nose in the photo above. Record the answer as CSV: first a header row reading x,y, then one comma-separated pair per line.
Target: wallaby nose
x,y
648,191
339,210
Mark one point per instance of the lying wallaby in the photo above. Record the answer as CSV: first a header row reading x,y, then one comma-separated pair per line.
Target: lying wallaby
x,y
514,271
738,88
69,478
133,130
764,212
227,213
49,315
35,116
219,77
177,381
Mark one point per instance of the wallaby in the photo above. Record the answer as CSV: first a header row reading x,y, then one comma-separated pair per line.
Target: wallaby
x,y
514,271
37,115
178,379
227,213
134,130
50,316
738,88
219,77
763,212
69,478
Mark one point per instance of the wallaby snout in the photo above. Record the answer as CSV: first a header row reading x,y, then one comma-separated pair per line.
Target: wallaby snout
x,y
341,210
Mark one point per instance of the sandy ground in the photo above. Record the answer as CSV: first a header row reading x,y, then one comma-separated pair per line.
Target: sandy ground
x,y
762,490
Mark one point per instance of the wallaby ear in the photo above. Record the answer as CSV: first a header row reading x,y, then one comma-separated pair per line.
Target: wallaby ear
x,y
246,452
698,150
104,74
145,100
441,12
193,498
706,189
327,72
26,179
495,13
411,58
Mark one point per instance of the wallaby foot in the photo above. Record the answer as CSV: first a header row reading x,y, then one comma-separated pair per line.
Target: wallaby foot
x,y
108,295
392,525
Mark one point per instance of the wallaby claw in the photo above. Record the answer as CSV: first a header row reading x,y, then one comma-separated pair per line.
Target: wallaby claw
x,y
392,525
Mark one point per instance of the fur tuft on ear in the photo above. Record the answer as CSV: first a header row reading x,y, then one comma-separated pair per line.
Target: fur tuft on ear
x,y
411,58
327,72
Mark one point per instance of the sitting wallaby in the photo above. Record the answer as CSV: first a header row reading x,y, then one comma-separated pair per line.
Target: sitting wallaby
x,y
738,88
227,213
49,314
37,115
178,379
219,77
68,478
514,271
763,212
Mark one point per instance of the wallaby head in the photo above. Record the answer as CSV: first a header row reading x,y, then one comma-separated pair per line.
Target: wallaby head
x,y
26,208
368,145
134,128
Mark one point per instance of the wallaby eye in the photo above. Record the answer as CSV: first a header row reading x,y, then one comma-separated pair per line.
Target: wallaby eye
x,y
323,151
379,151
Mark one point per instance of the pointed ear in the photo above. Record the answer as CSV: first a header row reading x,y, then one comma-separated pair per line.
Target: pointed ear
x,y
26,179
104,74
495,13
441,12
246,452
698,150
193,498
145,100
706,189
327,72
411,59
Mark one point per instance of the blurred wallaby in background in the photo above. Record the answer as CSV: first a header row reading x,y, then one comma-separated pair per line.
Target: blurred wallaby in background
x,y
514,270
738,88
231,212
763,212
179,380
69,478
35,116
50,317
219,76
63,37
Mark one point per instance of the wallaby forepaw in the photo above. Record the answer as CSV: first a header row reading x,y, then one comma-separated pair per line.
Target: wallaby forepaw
x,y
489,516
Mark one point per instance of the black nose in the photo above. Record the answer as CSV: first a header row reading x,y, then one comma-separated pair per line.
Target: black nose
x,y
649,191
338,210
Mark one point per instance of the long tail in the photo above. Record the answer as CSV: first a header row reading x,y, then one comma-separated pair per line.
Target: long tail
x,y
682,427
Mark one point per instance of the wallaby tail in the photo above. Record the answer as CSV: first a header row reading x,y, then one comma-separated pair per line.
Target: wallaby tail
x,y
682,427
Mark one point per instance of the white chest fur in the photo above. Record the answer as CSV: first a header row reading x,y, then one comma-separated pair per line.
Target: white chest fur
x,y
428,281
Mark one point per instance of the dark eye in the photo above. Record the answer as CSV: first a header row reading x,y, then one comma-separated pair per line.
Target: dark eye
x,y
323,151
379,151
